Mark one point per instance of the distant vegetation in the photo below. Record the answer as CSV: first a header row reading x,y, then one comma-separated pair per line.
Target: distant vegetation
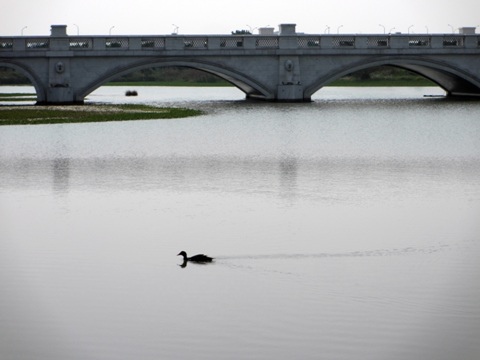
x,y
383,76
172,76
9,76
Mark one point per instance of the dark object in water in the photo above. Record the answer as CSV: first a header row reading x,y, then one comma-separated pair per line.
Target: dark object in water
x,y
200,258
131,93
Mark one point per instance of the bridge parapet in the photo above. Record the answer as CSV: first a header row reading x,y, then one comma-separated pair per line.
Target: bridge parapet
x,y
236,42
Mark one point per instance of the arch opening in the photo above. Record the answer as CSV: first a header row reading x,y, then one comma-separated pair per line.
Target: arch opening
x,y
452,80
14,75
251,88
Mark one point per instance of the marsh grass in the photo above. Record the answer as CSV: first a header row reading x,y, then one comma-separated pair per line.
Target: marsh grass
x,y
14,97
32,115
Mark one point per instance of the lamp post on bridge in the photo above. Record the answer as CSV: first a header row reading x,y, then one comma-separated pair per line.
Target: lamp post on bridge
x,y
338,29
409,28
327,30
453,30
23,29
382,27
251,29
110,31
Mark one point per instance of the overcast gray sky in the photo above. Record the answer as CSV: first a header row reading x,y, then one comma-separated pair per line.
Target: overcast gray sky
x,y
97,17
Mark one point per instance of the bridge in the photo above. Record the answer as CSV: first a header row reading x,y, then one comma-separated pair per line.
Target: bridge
x,y
287,66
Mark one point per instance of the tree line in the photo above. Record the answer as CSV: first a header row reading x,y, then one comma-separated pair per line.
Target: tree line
x,y
9,76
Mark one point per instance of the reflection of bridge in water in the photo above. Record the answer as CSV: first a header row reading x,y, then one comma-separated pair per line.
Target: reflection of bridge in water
x,y
281,67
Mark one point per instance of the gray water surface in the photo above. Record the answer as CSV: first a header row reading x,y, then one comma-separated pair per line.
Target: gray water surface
x,y
346,228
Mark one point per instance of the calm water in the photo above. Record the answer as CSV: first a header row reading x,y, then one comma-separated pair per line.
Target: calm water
x,y
347,228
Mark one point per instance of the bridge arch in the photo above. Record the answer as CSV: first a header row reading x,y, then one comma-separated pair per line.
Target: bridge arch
x,y
450,78
30,75
249,86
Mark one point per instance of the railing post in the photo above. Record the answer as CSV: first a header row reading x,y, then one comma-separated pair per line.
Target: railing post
x,y
326,42
19,44
135,43
214,43
59,38
174,43
436,42
249,42
287,42
361,42
471,42
398,42
99,43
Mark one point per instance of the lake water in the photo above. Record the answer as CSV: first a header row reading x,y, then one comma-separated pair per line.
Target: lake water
x,y
346,228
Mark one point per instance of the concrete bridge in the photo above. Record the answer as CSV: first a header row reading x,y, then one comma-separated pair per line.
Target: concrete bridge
x,y
279,67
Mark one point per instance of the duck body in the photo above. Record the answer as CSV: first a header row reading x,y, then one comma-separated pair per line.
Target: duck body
x,y
200,258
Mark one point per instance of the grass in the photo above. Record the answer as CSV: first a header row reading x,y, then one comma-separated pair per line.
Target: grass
x,y
32,115
10,97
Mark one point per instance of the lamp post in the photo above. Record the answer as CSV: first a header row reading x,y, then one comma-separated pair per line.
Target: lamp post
x,y
175,29
23,29
426,27
390,31
251,29
327,30
110,31
338,28
453,30
78,29
382,27
409,28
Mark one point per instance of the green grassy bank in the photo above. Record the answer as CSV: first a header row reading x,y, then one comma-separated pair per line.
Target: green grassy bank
x,y
32,115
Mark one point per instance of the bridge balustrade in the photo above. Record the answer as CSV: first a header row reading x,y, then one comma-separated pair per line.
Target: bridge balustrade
x,y
250,42
38,44
117,43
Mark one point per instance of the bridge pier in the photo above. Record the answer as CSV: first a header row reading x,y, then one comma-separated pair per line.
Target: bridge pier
x,y
290,93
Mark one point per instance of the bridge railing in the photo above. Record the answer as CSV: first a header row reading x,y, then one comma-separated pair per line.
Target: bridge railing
x,y
235,42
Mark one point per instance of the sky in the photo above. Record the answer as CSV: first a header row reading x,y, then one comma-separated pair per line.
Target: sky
x,y
159,17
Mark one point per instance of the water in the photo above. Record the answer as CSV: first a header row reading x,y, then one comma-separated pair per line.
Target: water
x,y
346,228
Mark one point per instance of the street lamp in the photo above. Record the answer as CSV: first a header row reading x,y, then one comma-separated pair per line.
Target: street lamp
x,y
409,28
327,30
426,27
338,28
78,29
390,31
382,27
23,29
110,31
251,29
453,30
175,29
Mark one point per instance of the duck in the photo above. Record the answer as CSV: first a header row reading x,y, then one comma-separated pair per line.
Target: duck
x,y
200,258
